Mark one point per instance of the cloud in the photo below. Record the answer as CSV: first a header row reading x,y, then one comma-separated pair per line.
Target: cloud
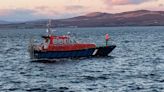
x,y
117,2
46,11
39,12
74,7
161,5
3,12
38,9
126,2
41,8
19,14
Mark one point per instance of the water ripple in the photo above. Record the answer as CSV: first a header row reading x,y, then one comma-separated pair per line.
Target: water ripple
x,y
136,65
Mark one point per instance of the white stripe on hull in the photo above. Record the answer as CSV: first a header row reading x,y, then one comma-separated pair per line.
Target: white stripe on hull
x,y
94,53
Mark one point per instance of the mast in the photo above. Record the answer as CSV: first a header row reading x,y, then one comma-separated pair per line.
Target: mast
x,y
49,28
50,33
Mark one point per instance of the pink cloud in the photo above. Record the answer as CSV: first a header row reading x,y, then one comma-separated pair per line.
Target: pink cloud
x,y
41,8
161,5
119,2
116,2
74,7
126,2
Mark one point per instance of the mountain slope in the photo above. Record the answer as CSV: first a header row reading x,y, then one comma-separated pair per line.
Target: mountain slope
x,y
133,18
3,22
98,19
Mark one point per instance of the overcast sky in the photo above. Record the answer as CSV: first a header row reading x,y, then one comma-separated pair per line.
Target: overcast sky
x,y
26,10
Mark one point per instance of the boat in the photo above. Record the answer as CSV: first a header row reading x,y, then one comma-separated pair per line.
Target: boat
x,y
59,47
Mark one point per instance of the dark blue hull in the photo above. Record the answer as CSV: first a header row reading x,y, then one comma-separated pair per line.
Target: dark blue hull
x,y
99,51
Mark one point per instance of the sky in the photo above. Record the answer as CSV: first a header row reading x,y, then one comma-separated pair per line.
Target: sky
x,y
27,10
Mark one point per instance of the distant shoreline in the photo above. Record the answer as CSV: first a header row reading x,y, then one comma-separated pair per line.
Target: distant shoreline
x,y
84,27
98,19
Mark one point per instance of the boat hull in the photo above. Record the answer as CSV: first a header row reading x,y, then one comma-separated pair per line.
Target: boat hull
x,y
90,52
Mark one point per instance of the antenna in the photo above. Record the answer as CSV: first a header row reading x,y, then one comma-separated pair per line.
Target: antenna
x,y
49,31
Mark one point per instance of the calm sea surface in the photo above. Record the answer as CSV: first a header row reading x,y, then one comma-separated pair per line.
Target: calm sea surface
x,y
136,65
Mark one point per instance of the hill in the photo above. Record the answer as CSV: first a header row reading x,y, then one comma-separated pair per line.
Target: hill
x,y
99,19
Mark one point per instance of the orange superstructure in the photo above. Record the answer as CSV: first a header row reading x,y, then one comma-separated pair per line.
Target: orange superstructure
x,y
65,44
69,47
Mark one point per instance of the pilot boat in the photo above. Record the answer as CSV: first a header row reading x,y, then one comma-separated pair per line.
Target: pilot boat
x,y
59,47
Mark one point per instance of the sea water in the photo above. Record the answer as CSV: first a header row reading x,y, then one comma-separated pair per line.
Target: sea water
x,y
135,65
